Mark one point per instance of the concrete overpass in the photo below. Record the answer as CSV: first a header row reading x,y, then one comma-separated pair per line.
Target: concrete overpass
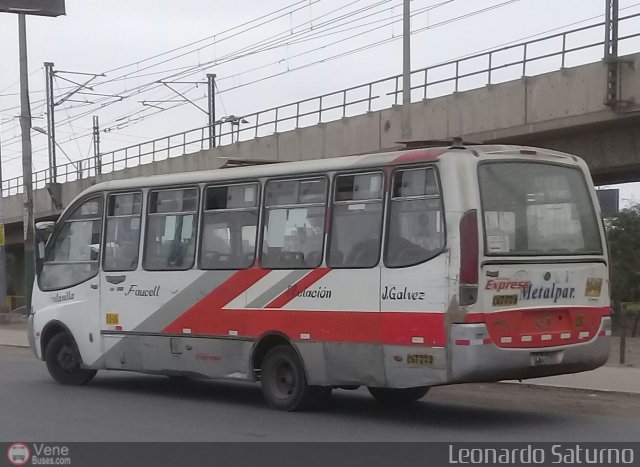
x,y
562,110
567,110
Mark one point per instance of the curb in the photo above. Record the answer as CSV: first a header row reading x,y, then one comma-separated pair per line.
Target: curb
x,y
18,346
568,388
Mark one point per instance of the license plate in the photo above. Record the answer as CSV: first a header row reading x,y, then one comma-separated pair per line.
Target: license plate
x,y
505,300
546,358
420,359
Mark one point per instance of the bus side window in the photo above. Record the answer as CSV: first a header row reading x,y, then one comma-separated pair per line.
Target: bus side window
x,y
294,223
229,227
122,232
356,224
75,254
170,238
415,232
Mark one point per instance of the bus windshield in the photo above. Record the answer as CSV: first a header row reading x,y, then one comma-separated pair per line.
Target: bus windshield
x,y
534,208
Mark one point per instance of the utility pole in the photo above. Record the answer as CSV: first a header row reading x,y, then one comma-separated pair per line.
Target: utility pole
x,y
51,125
406,70
211,94
96,145
611,52
3,259
27,169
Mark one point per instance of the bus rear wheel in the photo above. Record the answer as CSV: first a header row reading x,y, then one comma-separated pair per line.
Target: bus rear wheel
x,y
63,362
284,382
393,396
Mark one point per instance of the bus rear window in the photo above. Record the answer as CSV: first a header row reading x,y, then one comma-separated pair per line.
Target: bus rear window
x,y
537,209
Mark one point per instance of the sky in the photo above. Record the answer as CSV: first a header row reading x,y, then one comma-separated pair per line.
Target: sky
x,y
264,54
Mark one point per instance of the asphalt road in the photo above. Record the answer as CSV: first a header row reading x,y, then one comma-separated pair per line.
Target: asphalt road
x,y
129,407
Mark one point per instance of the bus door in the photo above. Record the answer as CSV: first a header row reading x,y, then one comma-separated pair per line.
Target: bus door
x,y
138,281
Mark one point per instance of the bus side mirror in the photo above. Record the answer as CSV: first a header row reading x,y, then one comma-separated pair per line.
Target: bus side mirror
x,y
43,232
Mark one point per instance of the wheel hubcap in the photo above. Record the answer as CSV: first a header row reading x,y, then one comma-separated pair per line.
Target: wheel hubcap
x,y
285,380
67,358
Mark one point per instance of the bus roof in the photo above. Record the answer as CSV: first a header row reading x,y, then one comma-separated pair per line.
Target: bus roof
x,y
318,166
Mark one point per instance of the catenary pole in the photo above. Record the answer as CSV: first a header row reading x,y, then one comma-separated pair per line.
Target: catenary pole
x,y
211,94
406,70
96,145
51,122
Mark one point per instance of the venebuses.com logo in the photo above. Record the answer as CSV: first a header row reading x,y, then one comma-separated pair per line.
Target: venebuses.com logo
x,y
18,454
39,454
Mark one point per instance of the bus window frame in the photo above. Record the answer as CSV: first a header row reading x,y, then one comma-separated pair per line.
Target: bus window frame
x,y
440,196
147,207
140,234
257,209
56,233
263,214
601,233
334,187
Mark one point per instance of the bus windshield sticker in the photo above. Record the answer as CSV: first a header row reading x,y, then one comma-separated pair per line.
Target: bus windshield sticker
x,y
498,243
249,194
594,287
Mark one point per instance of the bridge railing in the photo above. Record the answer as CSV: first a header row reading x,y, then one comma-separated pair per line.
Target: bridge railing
x,y
468,72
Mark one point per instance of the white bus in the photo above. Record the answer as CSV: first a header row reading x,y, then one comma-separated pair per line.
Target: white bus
x,y
395,271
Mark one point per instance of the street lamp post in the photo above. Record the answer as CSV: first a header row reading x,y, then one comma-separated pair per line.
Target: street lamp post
x,y
235,125
22,8
27,166
3,258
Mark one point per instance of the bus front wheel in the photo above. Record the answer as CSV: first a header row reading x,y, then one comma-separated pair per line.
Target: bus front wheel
x,y
398,396
284,382
63,362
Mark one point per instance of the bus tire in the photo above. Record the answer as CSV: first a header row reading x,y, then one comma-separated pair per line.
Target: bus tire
x,y
393,396
63,362
284,382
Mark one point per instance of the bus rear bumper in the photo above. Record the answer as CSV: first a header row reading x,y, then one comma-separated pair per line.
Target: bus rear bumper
x,y
481,360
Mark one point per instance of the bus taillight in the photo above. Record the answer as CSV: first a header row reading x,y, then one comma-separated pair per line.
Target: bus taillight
x,y
469,257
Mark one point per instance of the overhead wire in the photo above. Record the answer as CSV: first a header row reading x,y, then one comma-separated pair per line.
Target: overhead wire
x,y
149,114
324,60
104,102
230,56
384,41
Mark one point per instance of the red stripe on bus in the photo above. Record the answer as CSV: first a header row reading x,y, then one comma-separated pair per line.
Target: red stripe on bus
x,y
471,318
419,155
299,287
202,312
399,328
393,328
507,327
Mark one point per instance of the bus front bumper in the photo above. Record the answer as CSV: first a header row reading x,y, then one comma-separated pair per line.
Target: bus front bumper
x,y
481,360
31,337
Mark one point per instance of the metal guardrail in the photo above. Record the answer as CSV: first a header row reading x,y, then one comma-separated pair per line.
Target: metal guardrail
x,y
326,107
